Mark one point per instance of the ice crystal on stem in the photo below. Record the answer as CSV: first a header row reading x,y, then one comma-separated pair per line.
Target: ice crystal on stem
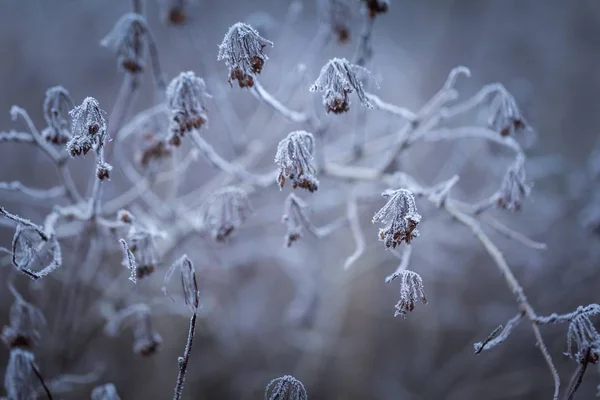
x,y
295,156
514,188
57,104
337,79
242,51
286,387
400,217
128,39
411,290
505,115
185,99
224,212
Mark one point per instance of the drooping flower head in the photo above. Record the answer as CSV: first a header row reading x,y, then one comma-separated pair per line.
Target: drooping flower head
x,y
129,41
339,78
400,217
295,155
146,339
505,115
25,322
514,187
411,290
57,104
242,51
337,15
224,212
189,284
185,99
583,336
285,388
88,126
142,244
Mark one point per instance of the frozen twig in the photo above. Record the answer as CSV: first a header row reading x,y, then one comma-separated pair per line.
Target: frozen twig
x,y
359,237
263,95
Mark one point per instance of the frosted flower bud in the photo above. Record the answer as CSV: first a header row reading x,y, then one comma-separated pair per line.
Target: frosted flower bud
x,y
242,51
582,336
57,104
185,99
505,115
411,290
174,11
146,340
189,285
285,388
25,321
337,14
375,7
88,126
108,391
400,217
295,155
125,216
514,189
224,212
129,40
338,78
143,246
20,381
103,170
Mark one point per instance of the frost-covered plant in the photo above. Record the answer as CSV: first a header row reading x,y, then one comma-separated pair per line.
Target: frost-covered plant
x,y
146,339
57,105
224,212
129,41
295,156
242,51
88,127
411,290
285,388
337,16
400,217
514,188
505,115
339,78
108,391
25,323
20,381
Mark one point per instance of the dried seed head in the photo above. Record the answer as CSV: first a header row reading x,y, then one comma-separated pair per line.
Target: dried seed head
x,y
295,156
514,189
129,40
337,14
375,7
33,254
242,51
57,104
174,11
400,217
505,116
20,381
154,149
224,212
125,216
88,126
337,79
146,340
583,336
25,321
189,285
103,170
285,388
143,246
411,290
108,391
185,98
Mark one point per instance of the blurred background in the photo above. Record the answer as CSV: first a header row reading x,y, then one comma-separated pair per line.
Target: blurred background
x,y
271,310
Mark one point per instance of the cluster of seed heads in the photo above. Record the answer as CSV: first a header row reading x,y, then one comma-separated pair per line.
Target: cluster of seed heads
x,y
411,290
400,217
88,127
129,41
57,104
514,188
295,156
505,115
224,212
285,388
337,15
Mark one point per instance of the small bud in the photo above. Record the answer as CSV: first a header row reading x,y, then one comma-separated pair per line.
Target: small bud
x,y
337,14
129,40
174,11
88,126
25,321
411,290
189,285
285,388
20,381
242,51
375,7
400,217
108,391
57,104
295,155
337,79
224,212
185,98
514,189
505,116
125,216
103,170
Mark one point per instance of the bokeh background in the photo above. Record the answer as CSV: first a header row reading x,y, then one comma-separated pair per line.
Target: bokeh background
x,y
271,310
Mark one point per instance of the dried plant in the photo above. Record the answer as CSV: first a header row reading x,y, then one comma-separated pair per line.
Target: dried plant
x,y
285,387
295,155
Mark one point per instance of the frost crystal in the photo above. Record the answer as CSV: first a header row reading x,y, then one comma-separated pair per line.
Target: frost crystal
x,y
400,217
295,156
57,104
337,14
514,188
88,126
128,39
107,391
20,381
224,212
189,285
285,388
411,290
505,115
185,98
583,336
25,321
337,79
242,51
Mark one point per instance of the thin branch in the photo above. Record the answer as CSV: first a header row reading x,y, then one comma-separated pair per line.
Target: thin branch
x,y
499,335
404,261
37,373
40,194
577,377
263,95
25,222
359,237
390,108
14,136
183,361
